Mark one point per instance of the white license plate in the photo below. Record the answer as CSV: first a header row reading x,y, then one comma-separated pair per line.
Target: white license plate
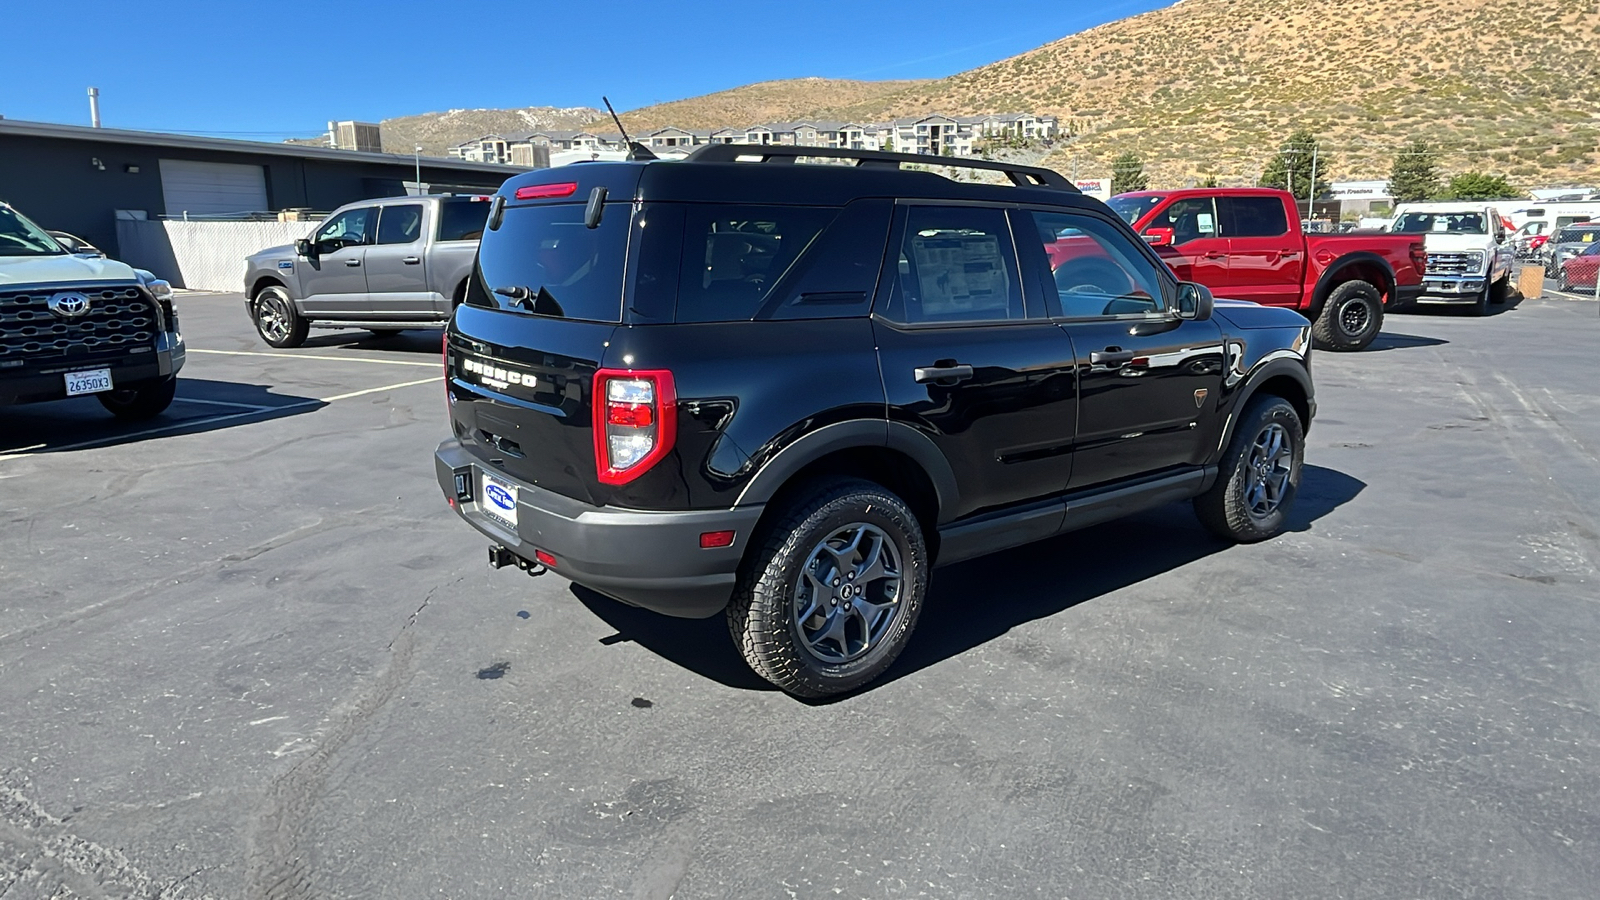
x,y
91,381
498,499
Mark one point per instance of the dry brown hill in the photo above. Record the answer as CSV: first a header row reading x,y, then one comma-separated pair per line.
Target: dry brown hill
x,y
437,132
1213,86
765,101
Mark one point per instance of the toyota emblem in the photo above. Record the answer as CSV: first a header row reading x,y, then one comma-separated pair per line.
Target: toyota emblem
x,y
68,304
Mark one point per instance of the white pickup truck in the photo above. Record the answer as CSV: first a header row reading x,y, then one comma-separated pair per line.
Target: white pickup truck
x,y
1469,252
79,324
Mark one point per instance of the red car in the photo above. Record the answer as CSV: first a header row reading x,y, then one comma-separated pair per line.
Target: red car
x,y
1579,271
1248,244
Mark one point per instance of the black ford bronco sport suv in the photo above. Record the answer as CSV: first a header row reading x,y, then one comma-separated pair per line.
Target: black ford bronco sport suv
x,y
787,389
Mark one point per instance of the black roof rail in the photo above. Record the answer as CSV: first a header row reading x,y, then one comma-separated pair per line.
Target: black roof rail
x,y
1021,176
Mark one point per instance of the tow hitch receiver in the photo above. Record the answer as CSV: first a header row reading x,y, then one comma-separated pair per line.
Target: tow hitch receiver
x,y
500,558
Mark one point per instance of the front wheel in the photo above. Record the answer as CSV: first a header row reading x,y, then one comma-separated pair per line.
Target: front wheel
x,y
828,601
1500,291
1350,319
144,401
1259,476
1562,284
276,319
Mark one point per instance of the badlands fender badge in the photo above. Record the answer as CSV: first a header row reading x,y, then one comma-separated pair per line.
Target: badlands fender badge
x,y
1200,397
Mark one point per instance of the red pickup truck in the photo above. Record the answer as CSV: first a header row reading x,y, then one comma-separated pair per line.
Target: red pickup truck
x,y
1247,244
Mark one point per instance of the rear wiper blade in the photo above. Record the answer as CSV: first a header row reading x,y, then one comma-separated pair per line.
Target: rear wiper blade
x,y
539,302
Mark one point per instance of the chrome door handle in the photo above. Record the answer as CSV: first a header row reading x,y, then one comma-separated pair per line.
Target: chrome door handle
x,y
411,260
352,262
927,374
1111,357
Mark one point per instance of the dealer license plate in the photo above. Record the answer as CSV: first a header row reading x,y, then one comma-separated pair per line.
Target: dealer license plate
x,y
90,381
499,500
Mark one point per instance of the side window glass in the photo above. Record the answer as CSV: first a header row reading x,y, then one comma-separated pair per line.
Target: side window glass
x,y
1190,220
462,220
835,277
1257,217
347,229
955,264
1094,269
735,255
400,224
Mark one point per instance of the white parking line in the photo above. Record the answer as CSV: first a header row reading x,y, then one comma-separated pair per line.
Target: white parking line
x,y
256,406
381,362
387,387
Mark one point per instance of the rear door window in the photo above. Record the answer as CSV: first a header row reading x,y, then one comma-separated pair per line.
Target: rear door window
x,y
1254,216
955,264
462,219
544,260
400,224
734,256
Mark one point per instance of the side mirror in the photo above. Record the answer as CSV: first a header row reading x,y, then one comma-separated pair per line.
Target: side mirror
x,y
1195,302
1159,237
305,248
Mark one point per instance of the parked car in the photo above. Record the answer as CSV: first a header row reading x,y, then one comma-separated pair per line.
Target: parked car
x,y
1247,243
75,245
1469,252
1579,271
785,392
383,265
73,325
1569,242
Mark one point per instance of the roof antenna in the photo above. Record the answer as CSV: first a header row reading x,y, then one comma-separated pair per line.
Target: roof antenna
x,y
636,152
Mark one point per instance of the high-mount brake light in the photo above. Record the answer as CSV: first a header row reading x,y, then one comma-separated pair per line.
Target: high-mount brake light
x,y
635,422
546,191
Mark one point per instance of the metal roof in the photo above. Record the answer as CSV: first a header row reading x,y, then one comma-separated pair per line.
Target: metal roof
x,y
227,145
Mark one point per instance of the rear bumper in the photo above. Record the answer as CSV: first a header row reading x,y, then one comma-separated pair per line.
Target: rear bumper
x,y
39,383
645,558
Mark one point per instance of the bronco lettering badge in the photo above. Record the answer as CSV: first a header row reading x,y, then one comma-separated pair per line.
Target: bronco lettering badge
x,y
498,377
1200,397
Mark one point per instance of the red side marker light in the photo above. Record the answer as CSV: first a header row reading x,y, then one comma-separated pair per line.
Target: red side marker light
x,y
710,540
544,191
544,559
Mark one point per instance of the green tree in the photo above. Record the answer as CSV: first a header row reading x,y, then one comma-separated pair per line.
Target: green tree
x,y
1210,181
1127,174
1290,168
1415,175
1478,186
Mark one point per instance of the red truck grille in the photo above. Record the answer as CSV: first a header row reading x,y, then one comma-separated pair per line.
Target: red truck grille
x,y
119,318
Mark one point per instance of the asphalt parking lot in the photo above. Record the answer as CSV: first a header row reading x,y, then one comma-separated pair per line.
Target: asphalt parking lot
x,y
248,652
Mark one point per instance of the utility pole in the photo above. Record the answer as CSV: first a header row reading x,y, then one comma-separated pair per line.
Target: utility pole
x,y
416,157
1311,195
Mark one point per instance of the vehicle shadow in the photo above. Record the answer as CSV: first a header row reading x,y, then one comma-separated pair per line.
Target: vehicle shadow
x,y
419,340
1015,587
201,405
1389,340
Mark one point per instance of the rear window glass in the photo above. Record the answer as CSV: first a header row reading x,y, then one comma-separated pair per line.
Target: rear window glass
x,y
1578,235
544,260
462,220
1257,216
733,256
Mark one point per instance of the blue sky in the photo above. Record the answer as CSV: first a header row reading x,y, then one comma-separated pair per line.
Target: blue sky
x,y
266,71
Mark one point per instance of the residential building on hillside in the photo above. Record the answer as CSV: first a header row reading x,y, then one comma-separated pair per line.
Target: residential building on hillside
x,y
934,135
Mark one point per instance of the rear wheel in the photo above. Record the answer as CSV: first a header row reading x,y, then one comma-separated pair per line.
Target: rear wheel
x,y
1260,475
829,600
1351,317
142,401
276,319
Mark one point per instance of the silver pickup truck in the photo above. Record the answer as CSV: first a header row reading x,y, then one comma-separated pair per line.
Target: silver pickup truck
x,y
383,265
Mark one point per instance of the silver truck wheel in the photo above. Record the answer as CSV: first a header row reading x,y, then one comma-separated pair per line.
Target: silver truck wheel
x,y
276,319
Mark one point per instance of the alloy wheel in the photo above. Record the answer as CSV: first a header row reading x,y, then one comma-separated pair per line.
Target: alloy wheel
x,y
272,316
1354,317
848,595
1271,464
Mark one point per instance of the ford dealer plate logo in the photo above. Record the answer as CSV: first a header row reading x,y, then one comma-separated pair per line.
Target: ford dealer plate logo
x,y
500,497
68,304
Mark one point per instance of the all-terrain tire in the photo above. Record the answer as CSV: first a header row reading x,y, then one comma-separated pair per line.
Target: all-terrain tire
x,y
142,401
276,319
1500,291
1230,509
764,614
1351,318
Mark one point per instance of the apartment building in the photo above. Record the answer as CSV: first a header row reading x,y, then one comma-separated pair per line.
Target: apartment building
x,y
933,135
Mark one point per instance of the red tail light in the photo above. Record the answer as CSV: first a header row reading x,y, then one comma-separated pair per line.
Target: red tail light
x,y
544,191
635,422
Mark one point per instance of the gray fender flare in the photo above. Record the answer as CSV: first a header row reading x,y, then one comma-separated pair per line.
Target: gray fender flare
x,y
845,436
1253,382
